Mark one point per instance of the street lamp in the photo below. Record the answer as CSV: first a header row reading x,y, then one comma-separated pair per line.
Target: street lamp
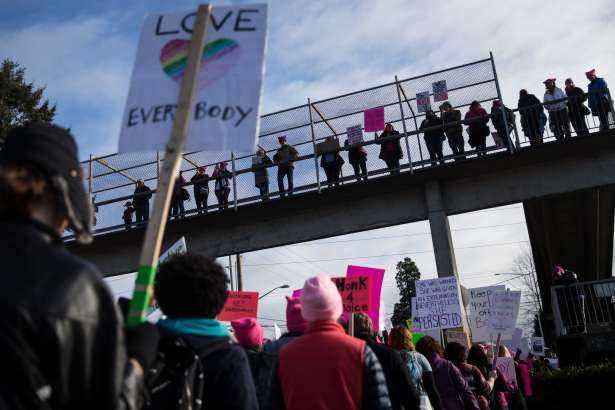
x,y
278,287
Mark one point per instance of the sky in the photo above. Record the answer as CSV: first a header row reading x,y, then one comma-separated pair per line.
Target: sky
x,y
83,53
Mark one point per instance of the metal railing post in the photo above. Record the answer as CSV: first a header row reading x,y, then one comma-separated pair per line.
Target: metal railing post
x,y
497,87
403,123
416,124
157,167
314,144
90,168
557,316
234,180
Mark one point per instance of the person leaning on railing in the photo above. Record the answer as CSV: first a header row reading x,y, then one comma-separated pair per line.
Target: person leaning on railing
x,y
502,125
599,99
434,136
555,103
476,119
357,156
390,150
576,108
285,158
533,118
454,132
261,174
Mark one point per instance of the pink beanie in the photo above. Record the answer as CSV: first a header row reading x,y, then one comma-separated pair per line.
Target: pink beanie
x,y
294,320
320,299
248,332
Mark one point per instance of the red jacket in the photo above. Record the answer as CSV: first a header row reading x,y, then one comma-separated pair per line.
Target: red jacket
x,y
323,369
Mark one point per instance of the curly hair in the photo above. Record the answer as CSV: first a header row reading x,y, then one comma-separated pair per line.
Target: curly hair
x,y
427,346
455,352
401,339
478,357
191,286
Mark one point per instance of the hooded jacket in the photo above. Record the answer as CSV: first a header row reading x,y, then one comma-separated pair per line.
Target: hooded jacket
x,y
554,95
598,95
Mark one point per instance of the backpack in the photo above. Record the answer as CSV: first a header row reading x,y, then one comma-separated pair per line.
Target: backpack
x,y
176,380
414,368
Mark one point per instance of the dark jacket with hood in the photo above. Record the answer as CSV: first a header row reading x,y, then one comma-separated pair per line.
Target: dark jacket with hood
x,y
61,335
392,148
436,134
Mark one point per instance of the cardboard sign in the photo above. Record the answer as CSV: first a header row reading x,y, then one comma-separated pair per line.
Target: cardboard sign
x,y
504,312
437,303
225,112
354,134
355,293
423,103
376,276
178,248
480,310
515,342
373,119
506,366
440,92
456,336
239,305
538,346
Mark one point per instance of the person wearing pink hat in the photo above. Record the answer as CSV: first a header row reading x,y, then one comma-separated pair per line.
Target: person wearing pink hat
x,y
325,368
285,157
571,300
248,333
557,106
200,184
599,98
222,186
295,324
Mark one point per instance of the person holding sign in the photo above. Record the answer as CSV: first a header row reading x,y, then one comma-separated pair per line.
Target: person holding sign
x,y
357,156
62,342
191,290
390,150
327,360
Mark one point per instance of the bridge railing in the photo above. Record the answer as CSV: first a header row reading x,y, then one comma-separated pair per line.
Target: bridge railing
x,y
585,307
113,177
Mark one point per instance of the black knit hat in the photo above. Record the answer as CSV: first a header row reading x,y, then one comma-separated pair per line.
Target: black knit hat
x,y
53,151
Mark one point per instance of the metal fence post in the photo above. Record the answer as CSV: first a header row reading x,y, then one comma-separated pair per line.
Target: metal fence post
x,y
234,180
157,167
416,125
403,123
314,144
90,168
557,316
497,87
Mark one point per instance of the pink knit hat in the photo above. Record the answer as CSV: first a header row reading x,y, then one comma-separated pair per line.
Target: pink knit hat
x,y
320,299
294,320
248,332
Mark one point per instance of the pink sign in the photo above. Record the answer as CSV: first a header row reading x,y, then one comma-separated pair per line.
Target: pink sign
x,y
296,293
377,276
373,119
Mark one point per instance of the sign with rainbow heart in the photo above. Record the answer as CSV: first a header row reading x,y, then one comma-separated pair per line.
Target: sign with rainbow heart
x,y
225,112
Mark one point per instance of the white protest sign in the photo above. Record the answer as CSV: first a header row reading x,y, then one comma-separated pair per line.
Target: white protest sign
x,y
225,112
515,342
277,332
457,336
178,248
504,312
437,303
506,366
423,102
480,309
538,346
354,134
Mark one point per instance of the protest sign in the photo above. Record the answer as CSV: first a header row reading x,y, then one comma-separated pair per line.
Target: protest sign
x,y
224,114
277,332
538,346
178,248
423,103
355,293
479,311
376,276
457,336
354,134
239,304
437,303
506,366
296,293
515,342
440,92
373,119
504,312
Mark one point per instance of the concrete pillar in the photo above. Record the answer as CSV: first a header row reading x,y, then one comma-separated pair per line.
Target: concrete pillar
x,y
440,231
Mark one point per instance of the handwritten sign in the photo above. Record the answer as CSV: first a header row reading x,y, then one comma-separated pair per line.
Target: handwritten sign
x,y
376,276
440,92
225,111
457,336
504,311
437,303
506,366
354,134
479,311
355,293
373,119
238,305
423,103
538,346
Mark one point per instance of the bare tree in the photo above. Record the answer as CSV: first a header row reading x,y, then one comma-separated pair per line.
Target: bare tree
x,y
524,271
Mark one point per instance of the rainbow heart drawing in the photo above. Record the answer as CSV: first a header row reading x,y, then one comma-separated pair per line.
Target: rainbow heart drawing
x,y
218,57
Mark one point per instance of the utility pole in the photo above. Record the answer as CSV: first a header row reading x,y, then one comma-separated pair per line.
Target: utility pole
x,y
238,271
230,269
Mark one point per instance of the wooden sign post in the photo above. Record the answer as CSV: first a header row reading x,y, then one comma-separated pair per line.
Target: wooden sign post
x,y
172,160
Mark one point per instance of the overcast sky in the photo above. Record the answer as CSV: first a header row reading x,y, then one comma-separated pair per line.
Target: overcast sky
x,y
83,53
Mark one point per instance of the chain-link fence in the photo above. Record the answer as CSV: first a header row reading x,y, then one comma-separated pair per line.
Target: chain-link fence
x,y
114,176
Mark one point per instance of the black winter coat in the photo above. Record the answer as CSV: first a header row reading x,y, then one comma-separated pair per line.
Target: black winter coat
x,y
200,184
434,135
141,197
392,148
453,130
59,327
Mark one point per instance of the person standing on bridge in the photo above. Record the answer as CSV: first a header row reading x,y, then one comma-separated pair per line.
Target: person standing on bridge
x,y
576,108
477,119
127,214
285,157
332,163
62,341
261,173
502,121
200,185
140,200
222,186
178,197
434,136
556,105
390,150
357,156
533,118
454,129
600,102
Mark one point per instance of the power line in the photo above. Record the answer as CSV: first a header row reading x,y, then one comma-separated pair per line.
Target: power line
x,y
389,254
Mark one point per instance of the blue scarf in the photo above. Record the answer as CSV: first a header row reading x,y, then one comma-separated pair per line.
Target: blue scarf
x,y
198,327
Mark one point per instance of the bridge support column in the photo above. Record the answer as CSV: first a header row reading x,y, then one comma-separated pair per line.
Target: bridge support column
x,y
440,231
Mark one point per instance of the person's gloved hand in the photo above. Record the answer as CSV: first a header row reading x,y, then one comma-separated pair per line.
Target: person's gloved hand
x,y
142,344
